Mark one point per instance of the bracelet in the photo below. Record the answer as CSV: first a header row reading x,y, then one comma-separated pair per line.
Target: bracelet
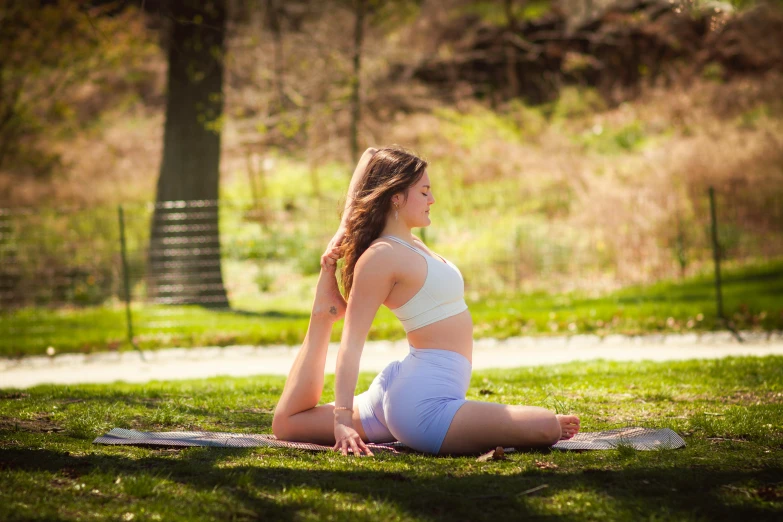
x,y
343,408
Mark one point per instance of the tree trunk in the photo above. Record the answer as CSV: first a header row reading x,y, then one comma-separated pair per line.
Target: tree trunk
x,y
511,52
357,66
273,20
184,255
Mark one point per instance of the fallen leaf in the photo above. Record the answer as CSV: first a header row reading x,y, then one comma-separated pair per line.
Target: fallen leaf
x,y
546,465
15,395
770,493
495,454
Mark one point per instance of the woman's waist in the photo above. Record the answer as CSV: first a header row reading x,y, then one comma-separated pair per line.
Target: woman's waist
x,y
453,334
435,372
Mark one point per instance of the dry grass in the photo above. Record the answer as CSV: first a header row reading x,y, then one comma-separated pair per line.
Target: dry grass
x,y
641,207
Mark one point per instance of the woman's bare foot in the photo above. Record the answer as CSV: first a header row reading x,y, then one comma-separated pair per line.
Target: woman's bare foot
x,y
569,425
328,303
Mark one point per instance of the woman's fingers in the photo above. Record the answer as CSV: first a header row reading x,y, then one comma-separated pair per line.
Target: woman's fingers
x,y
331,255
328,259
360,448
328,262
355,448
365,448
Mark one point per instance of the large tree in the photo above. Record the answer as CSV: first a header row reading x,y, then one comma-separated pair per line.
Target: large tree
x,y
184,257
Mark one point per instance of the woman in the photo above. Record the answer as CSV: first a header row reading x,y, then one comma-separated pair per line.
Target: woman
x,y
420,400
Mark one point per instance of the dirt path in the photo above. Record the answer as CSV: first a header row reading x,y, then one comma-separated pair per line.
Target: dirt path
x,y
198,363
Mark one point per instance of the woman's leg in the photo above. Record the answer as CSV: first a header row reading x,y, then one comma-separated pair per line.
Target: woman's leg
x,y
297,415
481,426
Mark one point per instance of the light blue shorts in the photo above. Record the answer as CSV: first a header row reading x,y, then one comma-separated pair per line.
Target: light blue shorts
x,y
415,400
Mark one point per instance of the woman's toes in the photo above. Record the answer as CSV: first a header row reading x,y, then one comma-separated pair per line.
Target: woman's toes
x,y
569,425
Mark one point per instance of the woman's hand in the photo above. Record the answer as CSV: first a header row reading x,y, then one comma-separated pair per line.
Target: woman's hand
x,y
346,438
332,253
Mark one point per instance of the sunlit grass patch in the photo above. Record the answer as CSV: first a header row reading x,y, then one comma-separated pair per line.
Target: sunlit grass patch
x,y
727,410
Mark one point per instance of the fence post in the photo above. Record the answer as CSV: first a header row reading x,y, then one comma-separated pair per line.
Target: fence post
x,y
126,281
716,254
716,257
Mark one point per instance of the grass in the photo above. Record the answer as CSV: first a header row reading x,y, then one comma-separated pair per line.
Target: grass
x,y
729,412
751,299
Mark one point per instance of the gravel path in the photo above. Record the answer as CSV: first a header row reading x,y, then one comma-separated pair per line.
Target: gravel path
x,y
193,363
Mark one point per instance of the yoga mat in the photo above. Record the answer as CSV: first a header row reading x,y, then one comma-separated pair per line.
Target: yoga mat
x,y
637,438
217,440
643,439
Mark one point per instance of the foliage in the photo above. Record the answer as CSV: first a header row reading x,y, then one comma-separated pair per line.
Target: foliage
x,y
628,138
574,102
55,258
494,12
58,70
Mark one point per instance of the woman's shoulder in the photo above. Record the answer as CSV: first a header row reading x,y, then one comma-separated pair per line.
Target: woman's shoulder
x,y
378,255
376,264
419,243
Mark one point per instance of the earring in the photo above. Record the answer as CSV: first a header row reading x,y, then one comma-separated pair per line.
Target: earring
x,y
395,212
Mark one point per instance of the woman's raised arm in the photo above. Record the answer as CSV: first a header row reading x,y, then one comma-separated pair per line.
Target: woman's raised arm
x,y
331,255
373,281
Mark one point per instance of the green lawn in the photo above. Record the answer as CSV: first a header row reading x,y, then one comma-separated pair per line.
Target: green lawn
x,y
752,298
729,412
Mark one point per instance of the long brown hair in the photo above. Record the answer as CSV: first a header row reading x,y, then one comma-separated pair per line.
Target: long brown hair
x,y
390,171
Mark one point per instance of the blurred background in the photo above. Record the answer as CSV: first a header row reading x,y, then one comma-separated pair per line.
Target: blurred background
x,y
171,171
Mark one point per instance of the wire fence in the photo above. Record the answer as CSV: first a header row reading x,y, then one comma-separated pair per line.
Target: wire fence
x,y
194,271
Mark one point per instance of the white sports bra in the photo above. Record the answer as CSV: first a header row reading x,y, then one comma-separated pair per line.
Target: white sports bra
x,y
441,295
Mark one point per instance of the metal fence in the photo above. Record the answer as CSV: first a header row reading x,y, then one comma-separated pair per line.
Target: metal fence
x,y
191,271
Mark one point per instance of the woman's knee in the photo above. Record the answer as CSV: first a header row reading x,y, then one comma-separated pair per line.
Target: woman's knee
x,y
280,427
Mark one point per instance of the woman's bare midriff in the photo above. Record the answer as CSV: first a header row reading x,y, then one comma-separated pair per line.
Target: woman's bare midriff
x,y
454,333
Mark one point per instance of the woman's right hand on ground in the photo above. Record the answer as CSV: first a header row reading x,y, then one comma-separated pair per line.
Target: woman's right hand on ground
x,y
348,438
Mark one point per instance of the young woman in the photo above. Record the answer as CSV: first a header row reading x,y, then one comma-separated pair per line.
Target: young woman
x,y
420,400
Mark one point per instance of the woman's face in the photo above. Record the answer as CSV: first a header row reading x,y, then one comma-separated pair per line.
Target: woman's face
x,y
415,212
